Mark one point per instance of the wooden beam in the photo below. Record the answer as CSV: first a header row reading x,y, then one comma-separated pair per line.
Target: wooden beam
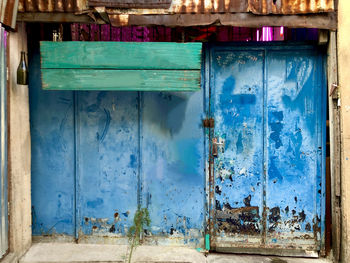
x,y
323,37
322,20
121,80
335,144
41,17
156,4
121,55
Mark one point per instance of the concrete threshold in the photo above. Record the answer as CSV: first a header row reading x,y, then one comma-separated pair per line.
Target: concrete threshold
x,y
81,253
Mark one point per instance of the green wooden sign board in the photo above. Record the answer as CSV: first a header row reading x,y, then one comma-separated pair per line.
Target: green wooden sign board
x,y
140,66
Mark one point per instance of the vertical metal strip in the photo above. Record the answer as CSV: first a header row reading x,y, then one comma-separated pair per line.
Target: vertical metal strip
x,y
207,166
211,161
319,176
322,116
4,144
3,153
317,163
265,150
76,164
2,86
139,176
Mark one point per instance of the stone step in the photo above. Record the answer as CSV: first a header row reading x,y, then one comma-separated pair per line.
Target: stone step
x,y
92,253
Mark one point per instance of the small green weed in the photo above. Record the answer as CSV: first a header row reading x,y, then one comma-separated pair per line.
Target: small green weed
x,y
141,220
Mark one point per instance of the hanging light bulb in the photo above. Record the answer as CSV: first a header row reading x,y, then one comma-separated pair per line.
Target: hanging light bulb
x,y
22,70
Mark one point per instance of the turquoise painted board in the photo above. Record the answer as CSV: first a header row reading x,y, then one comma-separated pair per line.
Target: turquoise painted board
x,y
145,80
121,55
121,66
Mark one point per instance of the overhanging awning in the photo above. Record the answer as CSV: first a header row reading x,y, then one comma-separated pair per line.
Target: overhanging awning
x,y
123,66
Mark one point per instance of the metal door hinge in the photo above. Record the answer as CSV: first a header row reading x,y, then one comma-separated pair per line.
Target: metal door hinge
x,y
208,123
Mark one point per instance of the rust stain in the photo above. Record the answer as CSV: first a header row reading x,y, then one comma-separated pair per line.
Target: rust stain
x,y
212,217
8,13
316,227
261,7
264,7
116,216
243,220
70,6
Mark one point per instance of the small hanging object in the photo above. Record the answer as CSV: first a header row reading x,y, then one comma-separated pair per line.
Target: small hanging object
x,y
55,36
22,70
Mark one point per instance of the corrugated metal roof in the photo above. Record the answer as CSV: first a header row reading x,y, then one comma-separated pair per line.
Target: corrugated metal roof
x,y
68,6
8,12
290,6
191,6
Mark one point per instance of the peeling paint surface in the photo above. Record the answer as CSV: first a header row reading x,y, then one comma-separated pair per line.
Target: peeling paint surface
x,y
99,155
238,109
295,145
267,106
96,156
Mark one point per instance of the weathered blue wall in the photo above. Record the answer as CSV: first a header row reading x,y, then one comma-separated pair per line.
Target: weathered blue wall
x,y
98,155
173,163
107,135
53,161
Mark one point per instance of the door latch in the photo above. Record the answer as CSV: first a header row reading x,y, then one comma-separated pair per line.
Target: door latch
x,y
216,145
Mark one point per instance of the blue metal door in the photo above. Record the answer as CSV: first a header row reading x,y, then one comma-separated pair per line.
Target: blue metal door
x,y
267,149
98,156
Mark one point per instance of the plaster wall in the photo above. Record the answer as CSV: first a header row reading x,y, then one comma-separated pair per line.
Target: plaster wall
x,y
344,83
19,150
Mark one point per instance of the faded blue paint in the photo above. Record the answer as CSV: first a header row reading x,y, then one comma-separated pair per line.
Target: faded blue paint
x,y
237,106
267,105
53,166
107,158
173,166
294,133
97,156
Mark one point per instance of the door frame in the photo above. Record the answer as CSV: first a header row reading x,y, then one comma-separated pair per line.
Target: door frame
x,y
4,240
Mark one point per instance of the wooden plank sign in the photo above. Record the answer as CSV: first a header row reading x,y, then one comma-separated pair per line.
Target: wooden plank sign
x,y
137,66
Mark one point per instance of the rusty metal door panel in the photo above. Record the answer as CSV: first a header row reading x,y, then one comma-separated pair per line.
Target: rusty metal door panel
x,y
107,135
237,107
268,148
172,146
